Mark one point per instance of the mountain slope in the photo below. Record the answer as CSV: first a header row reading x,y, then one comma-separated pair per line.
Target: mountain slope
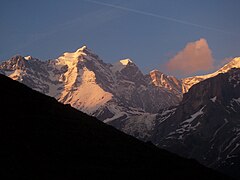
x,y
118,94
206,124
115,94
43,139
190,81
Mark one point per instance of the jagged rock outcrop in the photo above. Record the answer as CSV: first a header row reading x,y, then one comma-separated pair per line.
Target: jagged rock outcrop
x,y
206,124
118,94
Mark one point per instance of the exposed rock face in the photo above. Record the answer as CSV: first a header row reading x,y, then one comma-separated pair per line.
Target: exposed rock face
x,y
169,82
206,124
118,94
112,93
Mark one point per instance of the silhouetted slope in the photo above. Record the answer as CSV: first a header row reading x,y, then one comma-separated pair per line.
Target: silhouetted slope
x,y
43,139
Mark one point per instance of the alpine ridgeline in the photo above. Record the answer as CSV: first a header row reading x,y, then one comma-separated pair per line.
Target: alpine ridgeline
x,y
118,94
202,124
206,124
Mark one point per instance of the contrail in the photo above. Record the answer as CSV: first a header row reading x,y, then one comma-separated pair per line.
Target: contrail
x,y
159,16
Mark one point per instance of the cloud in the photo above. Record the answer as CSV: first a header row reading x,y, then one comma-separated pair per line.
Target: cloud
x,y
195,57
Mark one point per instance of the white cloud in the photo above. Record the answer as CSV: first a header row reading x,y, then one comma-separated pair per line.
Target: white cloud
x,y
195,57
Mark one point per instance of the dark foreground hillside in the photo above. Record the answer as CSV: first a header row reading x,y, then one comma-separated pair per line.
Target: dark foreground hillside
x,y
43,139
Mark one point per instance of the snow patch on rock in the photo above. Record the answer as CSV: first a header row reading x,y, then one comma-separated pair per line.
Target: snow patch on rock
x,y
214,99
118,66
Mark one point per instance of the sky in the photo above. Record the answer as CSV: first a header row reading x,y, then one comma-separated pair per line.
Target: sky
x,y
178,37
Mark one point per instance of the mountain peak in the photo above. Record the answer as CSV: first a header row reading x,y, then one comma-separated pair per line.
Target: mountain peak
x,y
155,71
81,49
118,66
70,56
235,62
162,80
28,58
125,61
236,59
82,53
17,59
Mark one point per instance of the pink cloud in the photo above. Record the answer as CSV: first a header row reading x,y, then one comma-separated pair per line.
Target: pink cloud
x,y
195,57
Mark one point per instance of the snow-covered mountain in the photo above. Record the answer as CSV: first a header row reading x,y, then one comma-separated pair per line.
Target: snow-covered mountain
x,y
190,81
169,82
202,124
118,94
206,124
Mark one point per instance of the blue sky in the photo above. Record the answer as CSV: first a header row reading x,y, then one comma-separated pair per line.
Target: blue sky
x,y
150,32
